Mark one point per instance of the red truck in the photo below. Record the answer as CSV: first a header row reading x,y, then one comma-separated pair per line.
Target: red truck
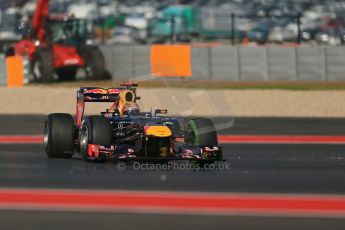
x,y
57,45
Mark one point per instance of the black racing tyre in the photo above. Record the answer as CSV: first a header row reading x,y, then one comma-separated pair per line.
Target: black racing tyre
x,y
94,63
59,135
201,132
95,130
67,74
42,66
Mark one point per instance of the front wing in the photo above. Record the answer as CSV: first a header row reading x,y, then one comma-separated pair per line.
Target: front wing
x,y
127,153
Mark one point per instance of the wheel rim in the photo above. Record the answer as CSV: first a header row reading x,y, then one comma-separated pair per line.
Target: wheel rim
x,y
37,70
46,136
84,139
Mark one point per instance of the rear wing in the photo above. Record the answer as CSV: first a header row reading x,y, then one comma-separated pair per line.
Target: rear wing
x,y
125,93
92,94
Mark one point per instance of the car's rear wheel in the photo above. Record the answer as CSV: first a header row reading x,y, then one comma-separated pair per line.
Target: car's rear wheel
x,y
95,130
59,135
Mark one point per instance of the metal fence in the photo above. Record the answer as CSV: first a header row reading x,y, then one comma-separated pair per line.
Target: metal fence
x,y
228,63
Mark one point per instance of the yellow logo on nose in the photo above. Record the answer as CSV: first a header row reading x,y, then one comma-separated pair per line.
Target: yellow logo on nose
x,y
158,131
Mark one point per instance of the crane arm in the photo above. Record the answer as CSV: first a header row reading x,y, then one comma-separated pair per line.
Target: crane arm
x,y
41,13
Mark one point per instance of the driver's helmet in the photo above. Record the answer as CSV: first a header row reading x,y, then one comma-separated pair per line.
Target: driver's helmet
x,y
131,109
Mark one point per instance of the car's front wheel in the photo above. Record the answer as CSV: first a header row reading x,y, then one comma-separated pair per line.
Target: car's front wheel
x,y
201,132
95,130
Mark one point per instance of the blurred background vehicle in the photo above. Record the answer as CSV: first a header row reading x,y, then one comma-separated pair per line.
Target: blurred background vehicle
x,y
127,35
57,43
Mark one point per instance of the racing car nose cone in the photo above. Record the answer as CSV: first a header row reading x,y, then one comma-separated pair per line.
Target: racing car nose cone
x,y
158,131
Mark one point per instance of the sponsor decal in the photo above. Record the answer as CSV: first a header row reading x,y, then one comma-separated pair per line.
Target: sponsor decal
x,y
73,61
96,91
114,91
208,149
93,150
120,125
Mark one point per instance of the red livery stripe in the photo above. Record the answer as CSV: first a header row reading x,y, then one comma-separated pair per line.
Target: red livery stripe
x,y
281,139
174,202
17,139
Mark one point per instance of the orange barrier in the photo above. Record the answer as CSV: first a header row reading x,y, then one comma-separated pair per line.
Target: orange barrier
x,y
15,71
171,61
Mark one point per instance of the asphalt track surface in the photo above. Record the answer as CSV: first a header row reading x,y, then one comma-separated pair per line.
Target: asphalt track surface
x,y
33,124
254,168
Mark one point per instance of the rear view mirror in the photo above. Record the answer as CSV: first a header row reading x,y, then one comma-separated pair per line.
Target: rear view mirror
x,y
161,111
